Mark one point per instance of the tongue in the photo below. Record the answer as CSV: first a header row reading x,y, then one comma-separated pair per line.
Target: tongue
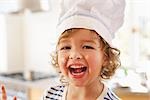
x,y
77,70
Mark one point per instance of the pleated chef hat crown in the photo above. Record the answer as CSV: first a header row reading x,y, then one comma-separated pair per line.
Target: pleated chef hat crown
x,y
103,16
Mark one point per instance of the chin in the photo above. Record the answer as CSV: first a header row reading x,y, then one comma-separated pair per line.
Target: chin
x,y
78,84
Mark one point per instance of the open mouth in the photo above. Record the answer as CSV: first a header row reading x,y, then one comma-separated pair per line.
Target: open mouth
x,y
77,70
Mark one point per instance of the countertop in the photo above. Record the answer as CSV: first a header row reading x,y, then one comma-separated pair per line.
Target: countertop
x,y
128,94
42,83
124,93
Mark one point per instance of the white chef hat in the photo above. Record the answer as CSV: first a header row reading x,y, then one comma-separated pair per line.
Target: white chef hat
x,y
103,16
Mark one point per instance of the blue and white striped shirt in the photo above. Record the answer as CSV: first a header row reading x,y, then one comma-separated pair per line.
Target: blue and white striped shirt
x,y
59,93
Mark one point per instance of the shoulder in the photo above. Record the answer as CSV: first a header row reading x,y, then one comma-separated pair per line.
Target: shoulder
x,y
110,95
54,93
107,94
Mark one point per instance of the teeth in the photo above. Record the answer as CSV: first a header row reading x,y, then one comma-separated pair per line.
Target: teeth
x,y
75,70
76,66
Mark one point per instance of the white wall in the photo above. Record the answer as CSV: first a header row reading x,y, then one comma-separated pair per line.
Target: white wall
x,y
27,41
11,58
3,53
39,37
39,30
14,42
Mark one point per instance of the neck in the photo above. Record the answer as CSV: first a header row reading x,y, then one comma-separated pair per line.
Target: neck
x,y
89,92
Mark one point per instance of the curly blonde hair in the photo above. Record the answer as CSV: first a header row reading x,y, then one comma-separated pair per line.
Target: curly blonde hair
x,y
111,54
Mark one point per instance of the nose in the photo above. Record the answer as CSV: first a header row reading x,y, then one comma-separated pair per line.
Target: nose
x,y
75,54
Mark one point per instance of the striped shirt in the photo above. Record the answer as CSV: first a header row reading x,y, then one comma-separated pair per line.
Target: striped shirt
x,y
59,93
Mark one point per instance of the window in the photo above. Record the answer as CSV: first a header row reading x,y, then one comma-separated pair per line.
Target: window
x,y
8,6
134,36
45,4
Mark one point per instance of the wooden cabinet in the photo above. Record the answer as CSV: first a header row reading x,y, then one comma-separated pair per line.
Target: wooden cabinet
x,y
35,93
126,94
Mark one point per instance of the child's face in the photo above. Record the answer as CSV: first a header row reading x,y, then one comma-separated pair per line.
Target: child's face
x,y
80,57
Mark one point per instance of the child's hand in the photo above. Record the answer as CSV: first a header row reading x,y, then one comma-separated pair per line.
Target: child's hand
x,y
4,94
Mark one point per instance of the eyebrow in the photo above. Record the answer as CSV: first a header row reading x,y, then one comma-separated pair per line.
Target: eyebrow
x,y
89,40
63,40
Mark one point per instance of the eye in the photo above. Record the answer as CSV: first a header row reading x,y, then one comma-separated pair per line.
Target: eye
x,y
87,47
65,48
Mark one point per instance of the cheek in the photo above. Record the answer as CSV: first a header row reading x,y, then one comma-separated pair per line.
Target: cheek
x,y
95,61
62,62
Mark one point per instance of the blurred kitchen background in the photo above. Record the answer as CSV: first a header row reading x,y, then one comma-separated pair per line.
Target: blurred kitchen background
x,y
27,35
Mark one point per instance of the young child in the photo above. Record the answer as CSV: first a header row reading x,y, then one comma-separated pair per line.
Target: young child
x,y
84,52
